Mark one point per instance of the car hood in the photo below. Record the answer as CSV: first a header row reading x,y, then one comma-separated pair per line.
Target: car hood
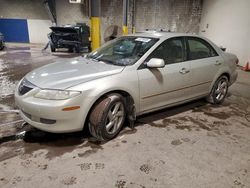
x,y
65,74
64,29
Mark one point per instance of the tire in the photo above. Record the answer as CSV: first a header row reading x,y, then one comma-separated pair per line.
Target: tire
x,y
2,47
52,47
77,49
71,50
89,48
107,117
219,91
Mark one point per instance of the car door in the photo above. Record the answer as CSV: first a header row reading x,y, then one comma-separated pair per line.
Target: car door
x,y
204,65
163,86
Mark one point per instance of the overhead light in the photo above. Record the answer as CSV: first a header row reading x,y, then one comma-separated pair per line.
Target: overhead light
x,y
76,1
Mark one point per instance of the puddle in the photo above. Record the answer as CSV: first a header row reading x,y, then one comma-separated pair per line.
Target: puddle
x,y
176,142
183,127
55,144
18,61
94,147
219,115
18,48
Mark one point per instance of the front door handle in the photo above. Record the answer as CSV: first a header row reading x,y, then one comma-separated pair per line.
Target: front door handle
x,y
184,71
217,63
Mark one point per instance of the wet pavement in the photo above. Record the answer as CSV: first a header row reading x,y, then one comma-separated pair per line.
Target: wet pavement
x,y
16,61
192,145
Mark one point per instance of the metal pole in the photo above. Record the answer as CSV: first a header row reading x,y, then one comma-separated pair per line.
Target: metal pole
x,y
95,13
133,16
125,16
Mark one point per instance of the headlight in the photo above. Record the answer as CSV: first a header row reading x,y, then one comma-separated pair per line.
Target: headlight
x,y
56,94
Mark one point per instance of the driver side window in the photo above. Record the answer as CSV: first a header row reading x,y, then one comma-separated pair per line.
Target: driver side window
x,y
171,51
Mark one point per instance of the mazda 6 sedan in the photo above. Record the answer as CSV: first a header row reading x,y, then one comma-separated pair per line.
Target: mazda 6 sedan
x,y
127,77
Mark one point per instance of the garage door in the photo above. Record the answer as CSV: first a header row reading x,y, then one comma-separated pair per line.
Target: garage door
x,y
14,30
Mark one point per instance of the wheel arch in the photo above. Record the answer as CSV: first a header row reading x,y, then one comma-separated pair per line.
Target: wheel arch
x,y
129,101
226,74
218,75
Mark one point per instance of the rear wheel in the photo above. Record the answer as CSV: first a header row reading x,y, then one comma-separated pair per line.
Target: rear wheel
x,y
219,91
107,117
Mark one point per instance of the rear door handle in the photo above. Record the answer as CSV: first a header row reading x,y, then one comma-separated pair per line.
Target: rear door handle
x,y
184,71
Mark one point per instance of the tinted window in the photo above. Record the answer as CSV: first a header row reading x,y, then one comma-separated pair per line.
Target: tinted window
x,y
199,49
171,51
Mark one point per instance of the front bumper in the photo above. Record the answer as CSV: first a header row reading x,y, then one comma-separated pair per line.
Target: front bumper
x,y
47,115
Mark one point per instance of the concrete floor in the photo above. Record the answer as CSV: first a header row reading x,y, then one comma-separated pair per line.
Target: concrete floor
x,y
193,145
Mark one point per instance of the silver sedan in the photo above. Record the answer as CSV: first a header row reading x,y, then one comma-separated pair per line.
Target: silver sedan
x,y
125,78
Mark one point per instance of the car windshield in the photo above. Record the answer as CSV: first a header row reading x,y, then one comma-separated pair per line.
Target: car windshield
x,y
123,51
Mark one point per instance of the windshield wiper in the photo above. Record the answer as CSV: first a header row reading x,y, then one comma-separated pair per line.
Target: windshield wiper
x,y
88,57
110,62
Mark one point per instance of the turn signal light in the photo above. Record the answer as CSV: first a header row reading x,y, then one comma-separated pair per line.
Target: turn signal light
x,y
71,108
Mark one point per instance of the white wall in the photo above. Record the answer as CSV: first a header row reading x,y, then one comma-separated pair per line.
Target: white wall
x,y
227,23
25,9
71,13
38,30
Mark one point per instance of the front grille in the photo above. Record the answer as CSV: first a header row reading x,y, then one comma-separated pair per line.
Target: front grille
x,y
25,87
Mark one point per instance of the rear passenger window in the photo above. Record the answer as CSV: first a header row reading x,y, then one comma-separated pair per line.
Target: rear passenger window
x,y
199,49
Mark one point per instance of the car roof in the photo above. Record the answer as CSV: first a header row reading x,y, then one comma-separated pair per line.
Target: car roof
x,y
161,34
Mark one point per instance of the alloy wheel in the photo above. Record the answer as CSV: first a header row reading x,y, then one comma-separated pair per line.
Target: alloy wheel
x,y
221,90
115,118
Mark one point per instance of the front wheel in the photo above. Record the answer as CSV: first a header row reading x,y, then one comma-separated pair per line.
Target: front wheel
x,y
52,47
219,91
77,49
2,47
107,117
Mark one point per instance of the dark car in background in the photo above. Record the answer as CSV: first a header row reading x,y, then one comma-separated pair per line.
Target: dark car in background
x,y
1,41
73,37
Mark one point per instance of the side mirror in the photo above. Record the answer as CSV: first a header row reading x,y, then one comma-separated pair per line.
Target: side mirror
x,y
156,63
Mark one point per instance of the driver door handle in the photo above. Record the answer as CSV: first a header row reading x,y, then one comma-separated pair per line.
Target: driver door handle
x,y
217,63
184,71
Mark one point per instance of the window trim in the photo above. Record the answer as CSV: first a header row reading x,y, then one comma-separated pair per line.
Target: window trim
x,y
183,40
207,44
